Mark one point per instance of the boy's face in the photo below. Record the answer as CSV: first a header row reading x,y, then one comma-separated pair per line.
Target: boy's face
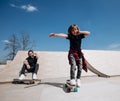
x,y
75,31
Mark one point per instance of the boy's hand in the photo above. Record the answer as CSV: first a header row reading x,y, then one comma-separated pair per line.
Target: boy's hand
x,y
79,32
51,35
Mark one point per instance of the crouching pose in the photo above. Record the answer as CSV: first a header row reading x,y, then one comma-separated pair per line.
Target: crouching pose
x,y
30,65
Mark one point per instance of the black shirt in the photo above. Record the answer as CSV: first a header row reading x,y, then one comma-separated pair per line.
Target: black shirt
x,y
32,61
75,41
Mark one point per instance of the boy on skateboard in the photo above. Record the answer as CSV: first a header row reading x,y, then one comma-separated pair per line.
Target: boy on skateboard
x,y
75,56
30,64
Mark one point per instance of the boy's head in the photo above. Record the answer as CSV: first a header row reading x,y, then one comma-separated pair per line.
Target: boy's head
x,y
73,29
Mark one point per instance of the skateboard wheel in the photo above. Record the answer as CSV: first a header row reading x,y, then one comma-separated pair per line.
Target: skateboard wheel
x,y
65,85
75,89
68,90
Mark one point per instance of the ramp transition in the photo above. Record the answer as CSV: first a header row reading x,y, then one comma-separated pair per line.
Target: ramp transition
x,y
92,69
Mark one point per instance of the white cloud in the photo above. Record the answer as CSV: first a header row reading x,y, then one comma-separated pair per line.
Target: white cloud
x,y
28,8
6,41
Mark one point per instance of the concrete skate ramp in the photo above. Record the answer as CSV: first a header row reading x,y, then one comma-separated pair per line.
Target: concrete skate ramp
x,y
106,62
92,69
56,65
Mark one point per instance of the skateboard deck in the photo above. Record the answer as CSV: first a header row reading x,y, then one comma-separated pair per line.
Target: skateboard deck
x,y
70,88
24,81
17,81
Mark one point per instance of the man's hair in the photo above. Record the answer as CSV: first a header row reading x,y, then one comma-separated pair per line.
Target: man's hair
x,y
30,51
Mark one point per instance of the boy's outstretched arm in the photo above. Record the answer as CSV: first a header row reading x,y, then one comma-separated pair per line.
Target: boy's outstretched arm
x,y
62,35
86,33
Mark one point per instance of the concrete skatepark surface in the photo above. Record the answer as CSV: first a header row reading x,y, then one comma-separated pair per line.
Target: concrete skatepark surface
x,y
54,70
92,89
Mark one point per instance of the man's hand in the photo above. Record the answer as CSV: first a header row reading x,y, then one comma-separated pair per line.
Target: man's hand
x,y
28,66
26,63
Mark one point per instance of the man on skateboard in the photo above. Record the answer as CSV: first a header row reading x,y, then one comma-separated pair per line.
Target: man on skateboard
x,y
30,64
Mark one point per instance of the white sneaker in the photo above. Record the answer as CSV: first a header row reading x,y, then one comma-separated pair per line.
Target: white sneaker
x,y
78,84
72,82
22,76
35,76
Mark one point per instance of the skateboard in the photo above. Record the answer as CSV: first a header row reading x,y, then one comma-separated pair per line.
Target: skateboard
x,y
24,81
70,88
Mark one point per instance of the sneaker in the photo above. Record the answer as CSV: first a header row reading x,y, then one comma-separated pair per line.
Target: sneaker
x,y
34,76
78,84
22,76
72,82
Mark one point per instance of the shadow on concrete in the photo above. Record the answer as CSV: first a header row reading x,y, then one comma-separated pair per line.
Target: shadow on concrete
x,y
54,84
59,85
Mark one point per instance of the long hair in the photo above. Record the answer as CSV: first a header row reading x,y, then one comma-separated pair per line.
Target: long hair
x,y
71,27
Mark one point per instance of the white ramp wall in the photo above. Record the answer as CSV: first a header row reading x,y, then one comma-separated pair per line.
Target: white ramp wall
x,y
107,62
56,65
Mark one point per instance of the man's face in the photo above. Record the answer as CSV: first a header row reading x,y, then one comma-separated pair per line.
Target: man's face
x,y
31,54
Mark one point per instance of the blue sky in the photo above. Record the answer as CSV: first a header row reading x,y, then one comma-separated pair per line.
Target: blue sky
x,y
41,17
